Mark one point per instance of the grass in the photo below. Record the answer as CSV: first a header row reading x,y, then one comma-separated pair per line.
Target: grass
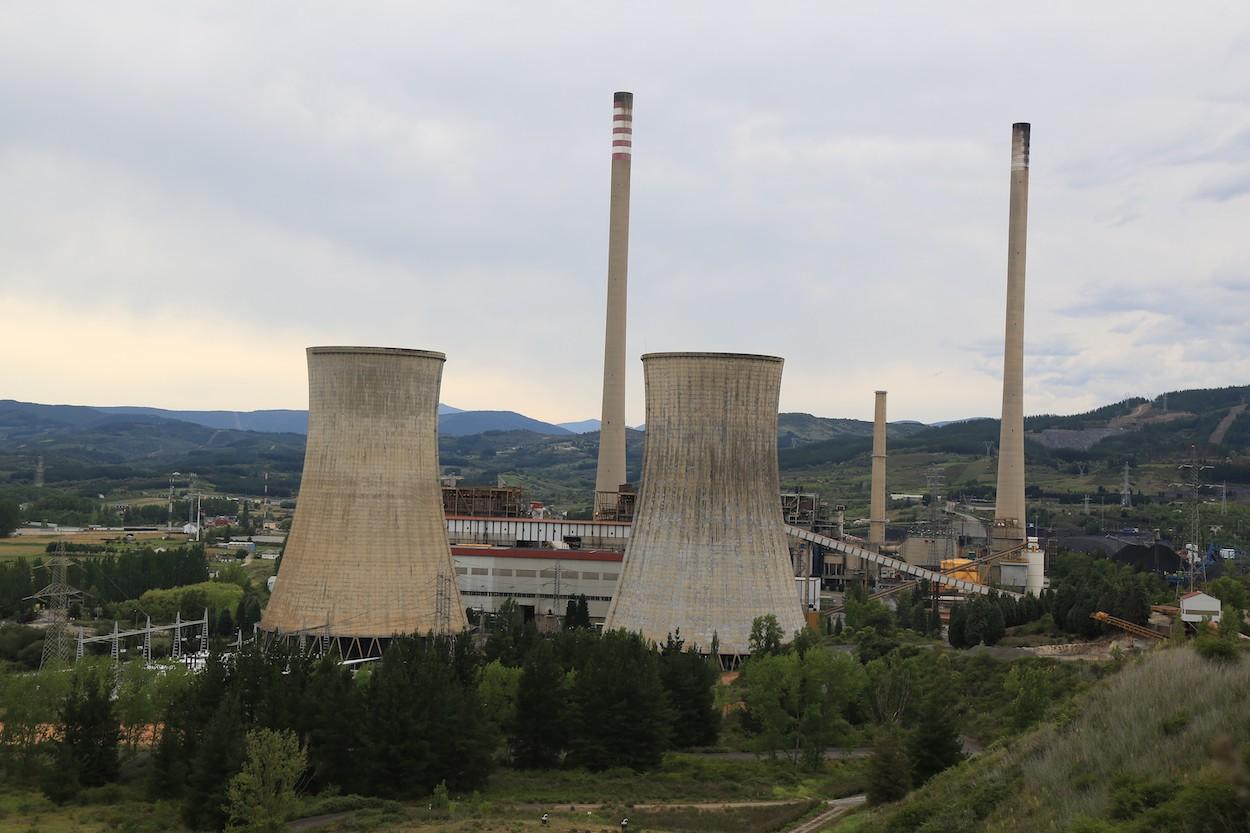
x,y
681,778
763,819
1160,719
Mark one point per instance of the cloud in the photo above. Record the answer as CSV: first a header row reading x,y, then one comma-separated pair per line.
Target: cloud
x,y
824,183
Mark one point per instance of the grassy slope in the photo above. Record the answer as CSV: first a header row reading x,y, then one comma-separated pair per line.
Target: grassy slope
x,y
1158,719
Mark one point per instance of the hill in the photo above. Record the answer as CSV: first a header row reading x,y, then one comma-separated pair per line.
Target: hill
x,y
476,422
278,421
796,429
1146,750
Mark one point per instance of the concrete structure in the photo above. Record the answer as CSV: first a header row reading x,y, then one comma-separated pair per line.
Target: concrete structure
x,y
611,472
1009,515
707,552
876,510
367,557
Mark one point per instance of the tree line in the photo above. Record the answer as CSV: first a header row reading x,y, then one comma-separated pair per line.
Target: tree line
x,y
106,579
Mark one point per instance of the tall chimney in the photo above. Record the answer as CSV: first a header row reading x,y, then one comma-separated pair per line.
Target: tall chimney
x,y
1009,514
876,514
611,472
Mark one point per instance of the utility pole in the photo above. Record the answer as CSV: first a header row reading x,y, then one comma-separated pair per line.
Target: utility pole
x,y
59,648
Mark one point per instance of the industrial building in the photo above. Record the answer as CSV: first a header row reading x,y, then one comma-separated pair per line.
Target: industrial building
x,y
707,552
367,557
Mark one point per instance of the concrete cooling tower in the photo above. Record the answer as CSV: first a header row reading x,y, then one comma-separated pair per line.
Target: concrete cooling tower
x,y
707,553
367,557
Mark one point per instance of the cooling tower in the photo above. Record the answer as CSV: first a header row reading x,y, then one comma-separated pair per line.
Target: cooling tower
x,y
611,472
1009,518
367,556
707,552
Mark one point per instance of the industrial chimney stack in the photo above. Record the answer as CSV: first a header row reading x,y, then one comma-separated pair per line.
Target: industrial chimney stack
x,y
1009,515
876,509
611,473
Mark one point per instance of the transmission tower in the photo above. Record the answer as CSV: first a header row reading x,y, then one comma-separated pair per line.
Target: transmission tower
x,y
1191,480
59,646
39,472
1126,491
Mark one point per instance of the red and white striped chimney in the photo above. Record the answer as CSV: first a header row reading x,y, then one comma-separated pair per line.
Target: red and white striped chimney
x,y
611,472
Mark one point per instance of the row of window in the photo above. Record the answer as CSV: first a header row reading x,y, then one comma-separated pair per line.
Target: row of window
x,y
508,595
510,573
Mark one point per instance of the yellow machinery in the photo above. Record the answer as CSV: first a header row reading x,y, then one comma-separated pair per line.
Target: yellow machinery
x,y
964,569
1126,626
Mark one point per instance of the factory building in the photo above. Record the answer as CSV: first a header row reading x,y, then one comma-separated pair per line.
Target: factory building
x,y
367,557
539,581
707,552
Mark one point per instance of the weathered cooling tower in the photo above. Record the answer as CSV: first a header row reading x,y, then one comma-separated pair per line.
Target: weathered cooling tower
x,y
876,513
611,472
367,556
707,552
1009,514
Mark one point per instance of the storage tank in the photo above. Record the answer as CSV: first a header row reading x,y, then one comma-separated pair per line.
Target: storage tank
x,y
707,553
367,556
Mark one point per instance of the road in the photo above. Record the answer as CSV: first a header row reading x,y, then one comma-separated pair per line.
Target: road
x,y
837,807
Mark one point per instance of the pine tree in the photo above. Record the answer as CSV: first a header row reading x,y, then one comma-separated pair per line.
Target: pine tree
x,y
690,684
218,757
541,705
90,732
570,615
889,771
934,745
583,611
623,714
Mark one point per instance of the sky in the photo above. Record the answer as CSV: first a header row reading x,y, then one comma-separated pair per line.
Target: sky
x,y
191,194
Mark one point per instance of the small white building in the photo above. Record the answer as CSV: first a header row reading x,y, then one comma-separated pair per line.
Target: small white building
x,y
1198,606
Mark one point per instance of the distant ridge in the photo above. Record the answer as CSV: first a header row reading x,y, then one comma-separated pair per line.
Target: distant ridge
x,y
276,421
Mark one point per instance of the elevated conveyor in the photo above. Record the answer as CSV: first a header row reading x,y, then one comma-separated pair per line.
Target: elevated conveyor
x,y
896,564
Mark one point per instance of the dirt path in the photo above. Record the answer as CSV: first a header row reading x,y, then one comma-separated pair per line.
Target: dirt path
x,y
836,808
1217,436
831,754
313,822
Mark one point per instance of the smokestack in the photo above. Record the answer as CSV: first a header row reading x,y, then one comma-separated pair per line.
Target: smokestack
x,y
876,513
708,552
611,472
1009,517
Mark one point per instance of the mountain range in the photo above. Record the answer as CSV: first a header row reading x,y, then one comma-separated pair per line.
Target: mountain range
x,y
132,448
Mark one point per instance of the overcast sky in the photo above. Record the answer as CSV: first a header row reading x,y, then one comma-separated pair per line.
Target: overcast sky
x,y
191,194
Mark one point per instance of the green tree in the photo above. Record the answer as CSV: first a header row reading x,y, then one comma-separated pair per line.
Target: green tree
x,y
262,795
90,732
934,744
10,517
889,770
218,756
623,716
799,702
497,687
541,710
690,684
1028,686
766,636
